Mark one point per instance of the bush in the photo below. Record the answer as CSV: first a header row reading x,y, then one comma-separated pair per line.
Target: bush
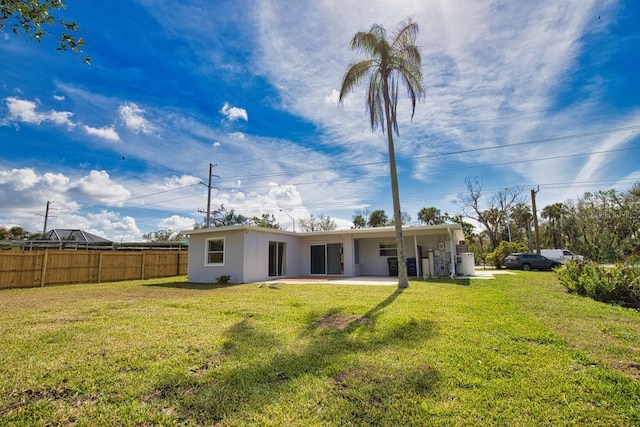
x,y
223,280
620,284
569,277
496,258
595,283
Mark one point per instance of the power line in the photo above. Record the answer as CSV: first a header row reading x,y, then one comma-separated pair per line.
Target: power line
x,y
538,141
448,153
142,207
457,168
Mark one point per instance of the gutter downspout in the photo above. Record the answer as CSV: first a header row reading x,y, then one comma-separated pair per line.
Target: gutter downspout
x,y
453,254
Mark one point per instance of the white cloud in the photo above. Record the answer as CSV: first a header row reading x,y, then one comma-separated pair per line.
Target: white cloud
x,y
61,118
22,110
176,182
107,132
56,181
176,223
333,98
59,97
234,113
482,63
217,144
133,118
19,179
99,187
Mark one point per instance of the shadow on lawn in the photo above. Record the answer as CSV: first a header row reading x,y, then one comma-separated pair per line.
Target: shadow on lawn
x,y
330,369
189,285
460,281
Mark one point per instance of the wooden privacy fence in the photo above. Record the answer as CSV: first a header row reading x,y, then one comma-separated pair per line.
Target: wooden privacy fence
x,y
54,267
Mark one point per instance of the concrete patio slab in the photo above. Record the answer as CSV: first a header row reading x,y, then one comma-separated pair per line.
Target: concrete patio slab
x,y
371,280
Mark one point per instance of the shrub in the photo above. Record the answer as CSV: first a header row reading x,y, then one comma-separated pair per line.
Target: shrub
x,y
496,258
620,284
569,277
223,280
595,283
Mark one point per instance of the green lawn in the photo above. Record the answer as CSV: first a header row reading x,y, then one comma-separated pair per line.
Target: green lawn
x,y
516,350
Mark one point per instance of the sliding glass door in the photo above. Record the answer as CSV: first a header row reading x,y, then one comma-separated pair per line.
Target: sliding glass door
x,y
327,259
277,258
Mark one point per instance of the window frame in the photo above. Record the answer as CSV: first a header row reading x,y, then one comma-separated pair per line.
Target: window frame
x,y
207,252
389,250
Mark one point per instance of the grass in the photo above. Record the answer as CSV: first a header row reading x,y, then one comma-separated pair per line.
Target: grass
x,y
516,350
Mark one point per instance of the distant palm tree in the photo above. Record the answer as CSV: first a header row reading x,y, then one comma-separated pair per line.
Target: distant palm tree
x,y
430,216
555,214
388,63
378,219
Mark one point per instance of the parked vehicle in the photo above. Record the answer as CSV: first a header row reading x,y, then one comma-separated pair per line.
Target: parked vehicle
x,y
527,261
561,255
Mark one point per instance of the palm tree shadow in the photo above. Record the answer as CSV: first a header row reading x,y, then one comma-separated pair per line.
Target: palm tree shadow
x,y
391,298
234,382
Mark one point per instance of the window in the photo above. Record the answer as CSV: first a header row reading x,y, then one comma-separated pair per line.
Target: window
x,y
215,251
388,249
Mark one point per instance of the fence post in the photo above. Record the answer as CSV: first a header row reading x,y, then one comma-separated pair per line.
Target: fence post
x,y
44,268
100,268
143,264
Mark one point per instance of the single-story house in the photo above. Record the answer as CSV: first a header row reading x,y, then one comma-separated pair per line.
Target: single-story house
x,y
251,254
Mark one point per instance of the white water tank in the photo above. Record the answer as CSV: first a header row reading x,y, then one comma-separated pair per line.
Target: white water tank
x,y
467,266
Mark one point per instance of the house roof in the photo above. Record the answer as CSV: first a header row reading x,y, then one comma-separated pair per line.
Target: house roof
x,y
363,232
71,235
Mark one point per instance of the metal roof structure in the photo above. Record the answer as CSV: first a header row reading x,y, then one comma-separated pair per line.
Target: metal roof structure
x,y
70,235
74,239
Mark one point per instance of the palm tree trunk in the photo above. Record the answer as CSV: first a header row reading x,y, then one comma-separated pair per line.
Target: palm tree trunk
x,y
403,280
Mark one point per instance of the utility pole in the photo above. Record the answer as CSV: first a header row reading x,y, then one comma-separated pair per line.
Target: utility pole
x,y
535,218
208,221
46,217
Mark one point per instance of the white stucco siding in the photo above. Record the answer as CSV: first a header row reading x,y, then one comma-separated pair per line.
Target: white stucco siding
x,y
373,264
246,251
256,250
346,240
200,272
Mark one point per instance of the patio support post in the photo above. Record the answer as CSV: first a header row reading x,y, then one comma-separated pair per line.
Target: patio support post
x,y
418,261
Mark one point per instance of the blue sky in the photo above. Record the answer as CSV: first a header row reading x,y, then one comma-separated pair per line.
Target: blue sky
x,y
536,94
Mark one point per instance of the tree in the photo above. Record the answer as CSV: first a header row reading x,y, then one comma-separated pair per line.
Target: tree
x,y
431,216
223,217
607,224
266,221
387,64
321,223
521,219
493,218
554,214
359,221
14,233
406,219
378,218
467,228
163,236
361,218
31,17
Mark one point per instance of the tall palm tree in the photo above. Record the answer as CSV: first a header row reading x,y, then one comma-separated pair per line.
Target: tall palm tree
x,y
388,63
555,214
